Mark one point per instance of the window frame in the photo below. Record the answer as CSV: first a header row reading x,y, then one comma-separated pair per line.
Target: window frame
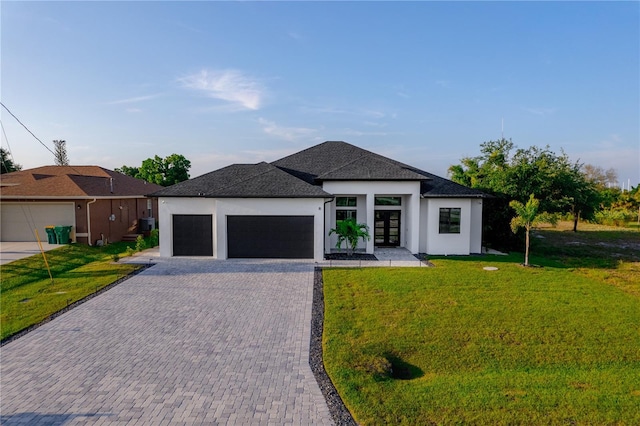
x,y
449,226
349,213
394,201
348,201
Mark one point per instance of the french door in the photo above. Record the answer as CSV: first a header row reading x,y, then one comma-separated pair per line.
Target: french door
x,y
387,228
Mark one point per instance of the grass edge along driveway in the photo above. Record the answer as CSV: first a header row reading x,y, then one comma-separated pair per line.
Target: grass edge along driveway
x,y
513,346
27,295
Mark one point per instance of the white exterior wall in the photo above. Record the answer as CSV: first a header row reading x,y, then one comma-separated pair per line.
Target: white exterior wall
x,y
437,243
366,191
169,206
476,226
222,207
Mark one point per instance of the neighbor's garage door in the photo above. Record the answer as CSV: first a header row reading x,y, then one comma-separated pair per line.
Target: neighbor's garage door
x,y
289,237
20,219
192,235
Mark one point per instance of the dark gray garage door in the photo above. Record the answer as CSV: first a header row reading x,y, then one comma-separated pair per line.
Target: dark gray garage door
x,y
286,237
192,235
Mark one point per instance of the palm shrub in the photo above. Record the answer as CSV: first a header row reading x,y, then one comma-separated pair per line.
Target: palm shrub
x,y
528,216
351,231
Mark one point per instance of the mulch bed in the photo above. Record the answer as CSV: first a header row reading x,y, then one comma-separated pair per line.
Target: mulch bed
x,y
340,414
354,256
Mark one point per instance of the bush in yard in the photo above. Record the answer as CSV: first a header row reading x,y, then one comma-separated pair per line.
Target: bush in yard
x,y
350,231
140,243
154,238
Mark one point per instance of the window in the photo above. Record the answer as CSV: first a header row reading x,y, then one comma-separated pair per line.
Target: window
x,y
345,214
388,201
346,201
449,220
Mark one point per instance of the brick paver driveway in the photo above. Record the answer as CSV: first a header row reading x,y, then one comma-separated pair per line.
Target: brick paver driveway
x,y
188,341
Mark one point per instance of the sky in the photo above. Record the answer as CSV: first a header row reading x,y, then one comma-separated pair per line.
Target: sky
x,y
424,83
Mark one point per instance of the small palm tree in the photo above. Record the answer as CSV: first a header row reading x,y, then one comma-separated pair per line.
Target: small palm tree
x,y
527,218
350,231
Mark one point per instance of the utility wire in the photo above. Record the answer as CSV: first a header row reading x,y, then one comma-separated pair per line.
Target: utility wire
x,y
37,138
27,129
6,138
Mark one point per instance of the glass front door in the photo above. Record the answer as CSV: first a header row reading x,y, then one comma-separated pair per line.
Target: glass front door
x,y
387,228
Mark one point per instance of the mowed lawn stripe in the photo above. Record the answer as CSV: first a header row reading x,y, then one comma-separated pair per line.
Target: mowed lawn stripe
x,y
513,346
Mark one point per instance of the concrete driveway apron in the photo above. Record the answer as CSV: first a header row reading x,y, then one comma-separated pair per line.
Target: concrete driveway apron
x,y
188,341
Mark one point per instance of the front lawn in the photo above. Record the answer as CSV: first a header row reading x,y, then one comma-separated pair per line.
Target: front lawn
x,y
549,345
28,296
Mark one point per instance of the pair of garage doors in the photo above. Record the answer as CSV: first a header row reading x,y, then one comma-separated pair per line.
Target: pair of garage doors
x,y
283,237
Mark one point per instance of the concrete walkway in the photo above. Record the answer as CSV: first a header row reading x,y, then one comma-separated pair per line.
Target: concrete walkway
x,y
387,257
188,341
10,251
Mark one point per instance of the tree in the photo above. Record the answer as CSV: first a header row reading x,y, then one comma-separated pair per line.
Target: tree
x,y
129,171
168,171
351,231
527,217
510,173
7,164
60,154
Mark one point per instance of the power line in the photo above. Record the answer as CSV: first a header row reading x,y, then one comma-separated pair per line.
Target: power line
x,y
38,139
27,129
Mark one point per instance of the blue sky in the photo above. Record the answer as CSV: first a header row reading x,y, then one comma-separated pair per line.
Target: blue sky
x,y
226,82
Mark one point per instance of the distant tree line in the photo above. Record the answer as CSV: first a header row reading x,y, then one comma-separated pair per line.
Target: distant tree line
x,y
563,188
161,171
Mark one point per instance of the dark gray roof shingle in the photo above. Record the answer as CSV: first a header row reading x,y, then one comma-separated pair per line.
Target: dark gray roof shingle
x,y
260,180
336,160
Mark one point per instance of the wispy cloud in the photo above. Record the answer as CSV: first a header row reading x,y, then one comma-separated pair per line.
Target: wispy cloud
x,y
287,133
540,111
233,86
134,100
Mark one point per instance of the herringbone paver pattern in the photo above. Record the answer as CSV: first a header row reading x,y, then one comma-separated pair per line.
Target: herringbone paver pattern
x,y
188,341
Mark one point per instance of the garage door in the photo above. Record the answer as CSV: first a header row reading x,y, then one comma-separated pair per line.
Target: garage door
x,y
288,237
192,235
20,219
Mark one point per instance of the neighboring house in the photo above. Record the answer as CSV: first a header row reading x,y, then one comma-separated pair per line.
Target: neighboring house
x,y
99,204
285,209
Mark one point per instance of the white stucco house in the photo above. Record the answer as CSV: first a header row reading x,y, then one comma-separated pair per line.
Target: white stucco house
x,y
286,208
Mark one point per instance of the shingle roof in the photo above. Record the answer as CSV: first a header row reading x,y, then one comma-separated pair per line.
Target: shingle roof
x,y
336,160
260,180
72,181
439,187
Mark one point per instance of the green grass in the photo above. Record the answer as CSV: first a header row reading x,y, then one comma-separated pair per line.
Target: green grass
x,y
27,294
558,344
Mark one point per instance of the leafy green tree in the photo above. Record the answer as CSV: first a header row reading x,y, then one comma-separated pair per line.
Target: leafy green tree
x,y
7,164
528,216
351,231
129,171
161,171
509,174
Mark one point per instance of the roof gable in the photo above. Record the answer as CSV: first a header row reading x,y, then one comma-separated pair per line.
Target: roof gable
x,y
261,180
335,160
368,167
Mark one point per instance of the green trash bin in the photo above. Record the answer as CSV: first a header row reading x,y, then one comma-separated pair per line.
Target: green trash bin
x,y
62,232
51,234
